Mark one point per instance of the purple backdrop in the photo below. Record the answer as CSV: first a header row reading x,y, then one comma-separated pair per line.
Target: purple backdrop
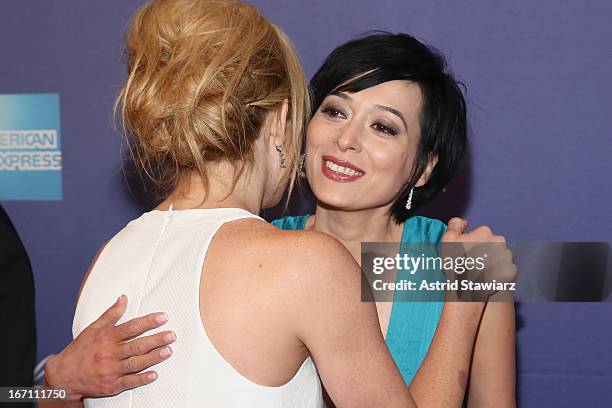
x,y
538,77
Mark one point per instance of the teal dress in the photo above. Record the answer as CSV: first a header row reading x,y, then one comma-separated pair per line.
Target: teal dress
x,y
412,324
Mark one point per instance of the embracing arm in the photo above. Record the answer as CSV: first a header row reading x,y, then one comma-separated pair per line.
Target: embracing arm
x,y
340,331
461,339
442,379
493,373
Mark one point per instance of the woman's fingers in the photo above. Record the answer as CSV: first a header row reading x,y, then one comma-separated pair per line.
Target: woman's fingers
x,y
144,345
138,363
479,244
502,267
455,228
135,327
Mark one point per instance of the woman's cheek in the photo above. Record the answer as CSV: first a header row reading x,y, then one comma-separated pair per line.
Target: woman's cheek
x,y
385,162
394,171
316,133
310,162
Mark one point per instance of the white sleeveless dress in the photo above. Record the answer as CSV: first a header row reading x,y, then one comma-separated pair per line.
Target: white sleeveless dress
x,y
156,260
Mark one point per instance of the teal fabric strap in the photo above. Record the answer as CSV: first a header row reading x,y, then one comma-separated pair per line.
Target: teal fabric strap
x,y
412,324
295,223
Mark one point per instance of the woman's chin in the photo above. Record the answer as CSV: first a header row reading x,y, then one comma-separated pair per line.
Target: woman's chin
x,y
335,203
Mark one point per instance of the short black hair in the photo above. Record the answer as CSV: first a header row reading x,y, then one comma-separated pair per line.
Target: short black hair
x,y
381,57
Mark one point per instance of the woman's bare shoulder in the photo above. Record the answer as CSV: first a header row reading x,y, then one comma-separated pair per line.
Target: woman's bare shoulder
x,y
290,252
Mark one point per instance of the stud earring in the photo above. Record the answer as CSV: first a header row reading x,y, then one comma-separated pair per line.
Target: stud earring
x,y
301,165
279,149
409,202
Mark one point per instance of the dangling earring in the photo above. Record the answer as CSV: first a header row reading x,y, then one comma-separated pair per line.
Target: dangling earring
x,y
301,165
409,202
279,149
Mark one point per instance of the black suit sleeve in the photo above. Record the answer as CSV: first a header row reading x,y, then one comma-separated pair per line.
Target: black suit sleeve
x,y
17,319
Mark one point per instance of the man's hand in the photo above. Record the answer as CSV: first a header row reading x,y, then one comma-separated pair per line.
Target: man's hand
x,y
105,359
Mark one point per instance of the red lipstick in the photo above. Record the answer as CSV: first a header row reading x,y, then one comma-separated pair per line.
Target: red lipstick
x,y
340,176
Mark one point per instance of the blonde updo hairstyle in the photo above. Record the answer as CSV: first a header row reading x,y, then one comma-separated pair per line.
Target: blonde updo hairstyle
x,y
203,75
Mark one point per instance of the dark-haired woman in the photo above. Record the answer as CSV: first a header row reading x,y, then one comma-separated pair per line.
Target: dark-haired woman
x,y
388,132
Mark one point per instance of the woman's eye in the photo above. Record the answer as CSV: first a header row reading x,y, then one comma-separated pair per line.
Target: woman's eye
x,y
333,112
382,128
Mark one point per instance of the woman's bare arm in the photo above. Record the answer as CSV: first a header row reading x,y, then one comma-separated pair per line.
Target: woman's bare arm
x,y
341,332
444,375
442,379
493,372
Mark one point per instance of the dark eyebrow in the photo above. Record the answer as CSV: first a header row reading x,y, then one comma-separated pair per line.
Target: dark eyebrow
x,y
381,107
342,95
393,111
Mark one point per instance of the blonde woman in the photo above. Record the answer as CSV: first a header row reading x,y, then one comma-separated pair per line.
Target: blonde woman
x,y
214,109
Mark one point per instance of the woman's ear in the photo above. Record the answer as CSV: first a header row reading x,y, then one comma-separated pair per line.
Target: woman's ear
x,y
431,164
279,124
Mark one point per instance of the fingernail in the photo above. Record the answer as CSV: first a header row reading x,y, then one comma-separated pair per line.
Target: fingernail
x,y
152,376
119,299
161,318
165,352
169,337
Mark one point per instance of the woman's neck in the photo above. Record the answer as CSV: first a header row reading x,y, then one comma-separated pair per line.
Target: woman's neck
x,y
354,227
190,192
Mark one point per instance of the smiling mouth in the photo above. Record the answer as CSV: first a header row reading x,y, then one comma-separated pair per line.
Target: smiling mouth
x,y
347,171
340,170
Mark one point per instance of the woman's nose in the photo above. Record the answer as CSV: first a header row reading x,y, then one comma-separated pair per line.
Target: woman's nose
x,y
348,139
